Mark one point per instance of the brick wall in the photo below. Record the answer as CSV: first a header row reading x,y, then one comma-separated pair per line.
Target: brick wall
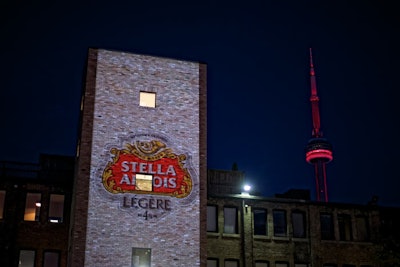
x,y
103,231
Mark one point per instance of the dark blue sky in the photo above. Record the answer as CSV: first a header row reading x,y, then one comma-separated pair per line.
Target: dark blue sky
x,y
258,86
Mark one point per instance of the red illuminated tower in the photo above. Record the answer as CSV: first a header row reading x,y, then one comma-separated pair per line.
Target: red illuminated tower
x,y
318,150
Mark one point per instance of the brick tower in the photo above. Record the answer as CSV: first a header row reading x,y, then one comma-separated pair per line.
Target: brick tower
x,y
140,183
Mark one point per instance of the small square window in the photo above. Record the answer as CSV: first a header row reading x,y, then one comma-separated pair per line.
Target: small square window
x,y
51,259
26,258
144,182
141,257
212,262
231,263
147,99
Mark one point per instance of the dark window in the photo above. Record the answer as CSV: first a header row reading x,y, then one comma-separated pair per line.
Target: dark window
x,y
260,221
56,208
26,258
326,226
212,215
281,264
299,224
212,262
2,198
280,228
231,263
330,265
51,259
230,220
141,257
344,222
262,264
362,228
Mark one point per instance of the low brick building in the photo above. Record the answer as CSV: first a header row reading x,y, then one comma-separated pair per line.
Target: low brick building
x,y
290,230
35,200
243,231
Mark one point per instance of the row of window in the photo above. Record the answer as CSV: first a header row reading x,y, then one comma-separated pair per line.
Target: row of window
x,y
211,262
298,223
235,263
33,206
27,258
260,225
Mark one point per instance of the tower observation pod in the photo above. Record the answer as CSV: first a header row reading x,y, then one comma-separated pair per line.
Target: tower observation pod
x,y
318,149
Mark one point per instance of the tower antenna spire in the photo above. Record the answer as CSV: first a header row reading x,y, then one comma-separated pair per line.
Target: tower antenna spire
x,y
318,150
314,101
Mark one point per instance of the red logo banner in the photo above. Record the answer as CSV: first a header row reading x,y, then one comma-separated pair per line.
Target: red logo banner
x,y
147,168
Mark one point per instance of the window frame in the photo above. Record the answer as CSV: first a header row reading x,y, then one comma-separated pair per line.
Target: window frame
x,y
278,224
33,259
229,260
236,220
53,252
37,208
261,262
263,226
326,234
3,194
215,219
363,235
303,225
141,251
51,209
215,260
144,98
345,227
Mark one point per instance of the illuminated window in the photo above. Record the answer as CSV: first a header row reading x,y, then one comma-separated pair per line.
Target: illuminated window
x,y
51,259
261,264
260,221
230,220
212,225
299,224
2,198
141,257
212,262
362,228
326,226
231,263
56,208
280,227
144,182
345,230
26,258
147,99
32,207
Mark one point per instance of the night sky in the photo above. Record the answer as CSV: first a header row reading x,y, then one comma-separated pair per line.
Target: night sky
x,y
259,114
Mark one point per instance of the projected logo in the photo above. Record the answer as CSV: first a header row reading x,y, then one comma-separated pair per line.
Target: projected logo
x,y
147,167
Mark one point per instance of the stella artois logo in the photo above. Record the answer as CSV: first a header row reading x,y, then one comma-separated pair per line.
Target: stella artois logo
x,y
147,168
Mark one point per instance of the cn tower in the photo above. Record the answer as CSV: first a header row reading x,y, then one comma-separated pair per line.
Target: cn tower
x,y
318,149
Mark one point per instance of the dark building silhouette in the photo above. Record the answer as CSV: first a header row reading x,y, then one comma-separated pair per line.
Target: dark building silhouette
x,y
35,200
